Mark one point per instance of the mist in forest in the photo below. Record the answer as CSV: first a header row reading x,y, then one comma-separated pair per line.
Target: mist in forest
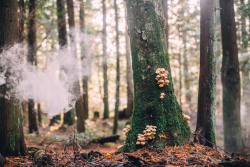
x,y
54,85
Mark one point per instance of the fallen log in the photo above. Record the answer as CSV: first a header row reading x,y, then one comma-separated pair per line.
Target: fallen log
x,y
106,139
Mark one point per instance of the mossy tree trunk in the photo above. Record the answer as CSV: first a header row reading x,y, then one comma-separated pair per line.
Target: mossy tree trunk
x,y
230,79
104,63
76,87
69,116
11,131
207,80
149,51
117,98
32,59
85,63
165,8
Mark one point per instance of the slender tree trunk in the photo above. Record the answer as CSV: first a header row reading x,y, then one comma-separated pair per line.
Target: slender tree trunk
x,y
76,86
165,8
85,63
117,99
105,67
69,115
149,52
130,84
207,80
11,131
230,79
21,20
186,73
31,58
39,113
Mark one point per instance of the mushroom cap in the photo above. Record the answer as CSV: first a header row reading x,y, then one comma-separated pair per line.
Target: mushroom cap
x,y
138,142
143,143
158,70
161,85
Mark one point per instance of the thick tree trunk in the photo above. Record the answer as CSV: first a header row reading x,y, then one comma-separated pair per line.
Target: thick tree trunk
x,y
69,116
76,87
130,84
117,99
230,79
207,80
31,59
11,131
85,64
149,52
104,64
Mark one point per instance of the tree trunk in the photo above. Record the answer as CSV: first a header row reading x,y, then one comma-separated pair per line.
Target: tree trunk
x,y
149,52
230,79
130,84
85,63
39,113
207,79
76,86
68,118
105,67
31,59
117,71
21,20
11,131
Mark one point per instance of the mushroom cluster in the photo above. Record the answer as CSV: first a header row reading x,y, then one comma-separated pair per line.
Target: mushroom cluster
x,y
149,133
126,130
162,77
162,95
186,118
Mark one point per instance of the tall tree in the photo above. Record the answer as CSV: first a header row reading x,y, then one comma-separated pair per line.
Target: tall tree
x,y
62,32
130,84
21,19
104,64
11,131
31,58
76,86
149,52
117,70
230,79
85,63
207,79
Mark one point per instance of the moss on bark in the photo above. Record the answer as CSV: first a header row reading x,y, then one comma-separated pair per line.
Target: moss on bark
x,y
149,52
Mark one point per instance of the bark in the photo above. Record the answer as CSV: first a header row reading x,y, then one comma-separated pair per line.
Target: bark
x,y
85,63
11,131
165,8
104,64
76,87
117,71
230,79
21,20
149,52
130,83
32,59
62,32
207,79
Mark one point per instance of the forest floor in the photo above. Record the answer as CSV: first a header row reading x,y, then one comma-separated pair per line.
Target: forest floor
x,y
60,146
